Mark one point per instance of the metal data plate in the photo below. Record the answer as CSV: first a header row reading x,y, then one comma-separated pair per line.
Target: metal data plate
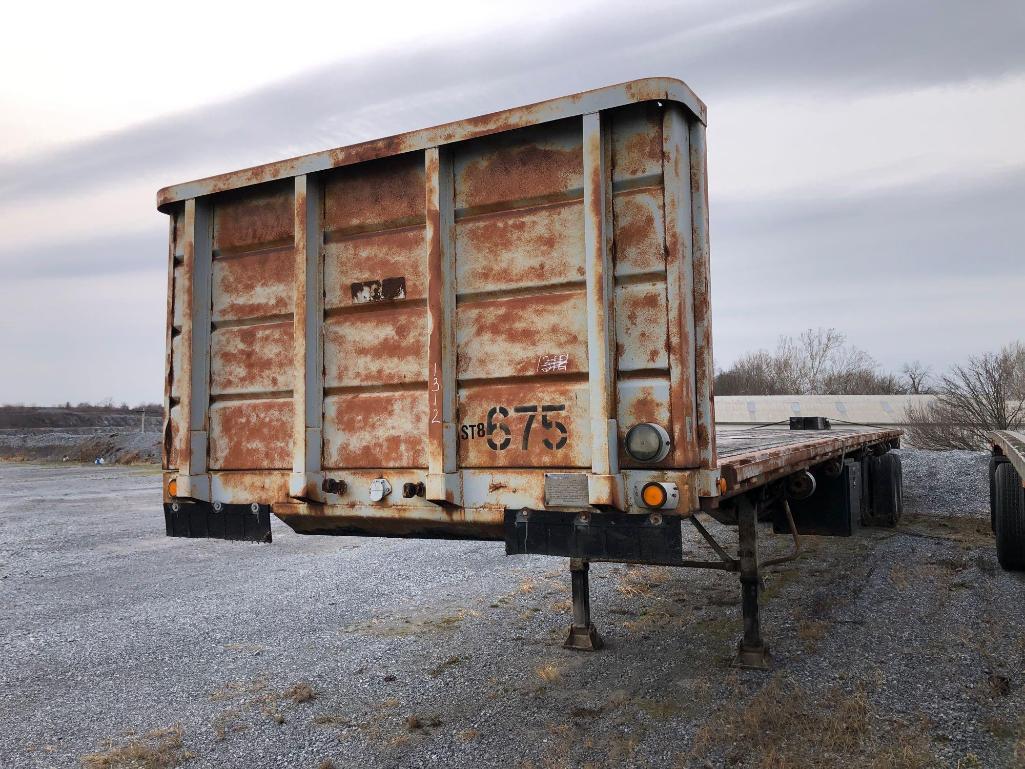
x,y
566,490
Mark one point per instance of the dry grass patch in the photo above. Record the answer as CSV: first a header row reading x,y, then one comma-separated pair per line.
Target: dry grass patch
x,y
300,692
158,749
785,727
549,673
639,581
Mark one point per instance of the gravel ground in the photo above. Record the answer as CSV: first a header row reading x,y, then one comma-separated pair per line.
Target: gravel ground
x,y
894,648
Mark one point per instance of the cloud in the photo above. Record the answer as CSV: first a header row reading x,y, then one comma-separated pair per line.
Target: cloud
x,y
720,49
929,270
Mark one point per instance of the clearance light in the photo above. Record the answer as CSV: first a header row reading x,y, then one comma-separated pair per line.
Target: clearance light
x,y
648,442
656,495
172,487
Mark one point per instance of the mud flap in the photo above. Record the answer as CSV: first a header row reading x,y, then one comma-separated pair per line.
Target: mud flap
x,y
203,520
655,539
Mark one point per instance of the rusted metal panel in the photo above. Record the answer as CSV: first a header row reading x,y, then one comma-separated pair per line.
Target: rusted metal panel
x,y
519,169
376,429
386,347
637,91
253,218
460,315
529,424
640,232
642,342
251,359
254,285
540,336
251,435
375,256
540,247
383,195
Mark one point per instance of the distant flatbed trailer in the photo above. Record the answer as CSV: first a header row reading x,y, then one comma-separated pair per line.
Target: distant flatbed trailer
x,y
1007,496
493,329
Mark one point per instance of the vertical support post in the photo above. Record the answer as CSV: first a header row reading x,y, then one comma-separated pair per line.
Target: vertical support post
x,y
442,475
169,345
582,634
193,480
752,652
307,329
599,272
680,284
703,367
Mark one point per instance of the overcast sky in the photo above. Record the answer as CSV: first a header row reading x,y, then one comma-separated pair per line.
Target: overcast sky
x,y
867,161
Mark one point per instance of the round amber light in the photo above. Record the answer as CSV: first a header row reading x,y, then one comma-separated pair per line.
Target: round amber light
x,y
172,487
653,495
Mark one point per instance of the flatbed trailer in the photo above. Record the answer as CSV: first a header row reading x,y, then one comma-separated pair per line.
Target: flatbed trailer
x,y
1007,496
493,329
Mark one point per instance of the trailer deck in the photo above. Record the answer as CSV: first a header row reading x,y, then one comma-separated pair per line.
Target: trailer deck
x,y
753,456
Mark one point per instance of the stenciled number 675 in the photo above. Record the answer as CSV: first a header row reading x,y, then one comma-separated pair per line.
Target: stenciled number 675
x,y
500,435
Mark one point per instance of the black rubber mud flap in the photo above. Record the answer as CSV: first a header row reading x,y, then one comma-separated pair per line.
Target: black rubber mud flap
x,y
203,520
655,539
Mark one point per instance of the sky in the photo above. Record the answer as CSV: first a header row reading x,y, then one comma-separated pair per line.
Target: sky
x,y
866,159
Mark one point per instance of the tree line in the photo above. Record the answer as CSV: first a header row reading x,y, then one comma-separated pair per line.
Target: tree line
x,y
986,393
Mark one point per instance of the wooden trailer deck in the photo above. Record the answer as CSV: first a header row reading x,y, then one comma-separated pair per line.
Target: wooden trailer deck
x,y
753,456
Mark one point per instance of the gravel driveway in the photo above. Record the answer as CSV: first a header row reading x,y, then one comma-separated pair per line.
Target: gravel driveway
x,y
122,647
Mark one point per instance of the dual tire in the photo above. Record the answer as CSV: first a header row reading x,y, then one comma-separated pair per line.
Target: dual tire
x,y
1007,504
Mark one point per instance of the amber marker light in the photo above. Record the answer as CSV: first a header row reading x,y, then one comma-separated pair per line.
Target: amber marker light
x,y
172,487
654,495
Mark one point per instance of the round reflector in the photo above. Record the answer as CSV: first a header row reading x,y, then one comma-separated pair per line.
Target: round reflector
x,y
647,442
172,487
654,495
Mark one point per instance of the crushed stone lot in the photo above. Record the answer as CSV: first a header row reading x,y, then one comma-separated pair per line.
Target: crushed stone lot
x,y
124,648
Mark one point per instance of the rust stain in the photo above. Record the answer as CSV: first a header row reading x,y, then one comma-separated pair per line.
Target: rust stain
x,y
388,346
390,190
641,336
540,247
252,359
375,430
251,435
526,164
254,285
505,337
639,232
254,217
476,403
374,256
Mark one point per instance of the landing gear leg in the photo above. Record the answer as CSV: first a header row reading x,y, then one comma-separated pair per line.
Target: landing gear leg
x,y
582,635
752,651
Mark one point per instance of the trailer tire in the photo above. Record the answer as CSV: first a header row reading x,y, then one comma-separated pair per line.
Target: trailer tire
x,y
887,487
1009,509
994,463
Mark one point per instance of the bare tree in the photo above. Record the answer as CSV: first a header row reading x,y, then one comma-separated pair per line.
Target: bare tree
x,y
986,394
818,361
917,376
